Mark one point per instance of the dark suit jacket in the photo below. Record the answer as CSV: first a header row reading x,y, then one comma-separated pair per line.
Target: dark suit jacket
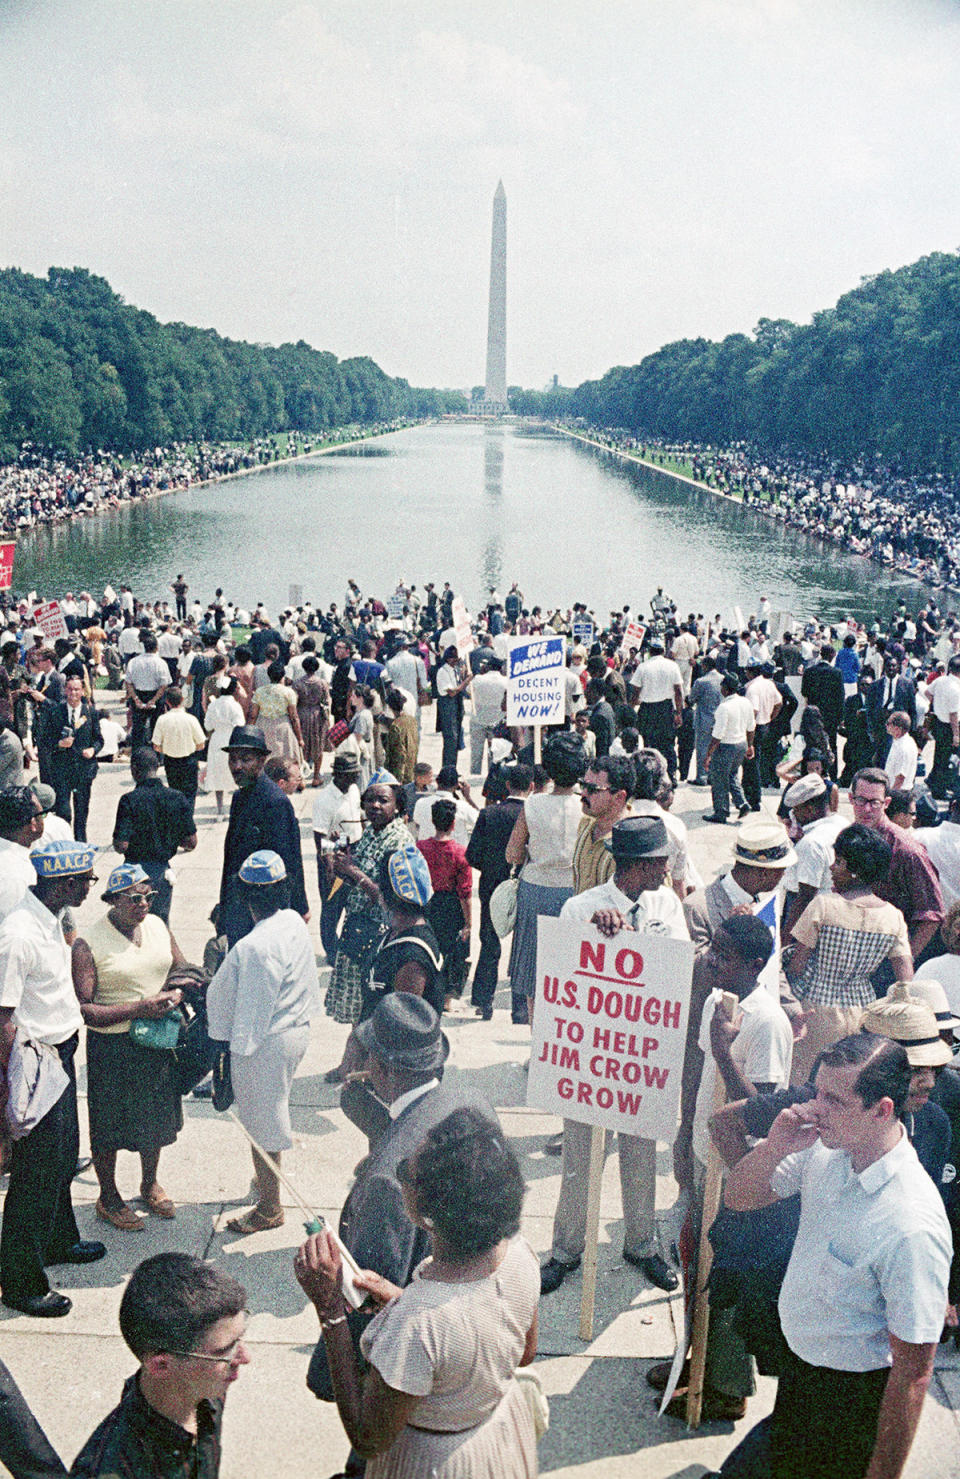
x,y
374,1223
904,697
260,816
68,767
822,684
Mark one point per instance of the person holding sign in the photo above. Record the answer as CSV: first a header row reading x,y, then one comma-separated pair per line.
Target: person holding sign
x,y
636,899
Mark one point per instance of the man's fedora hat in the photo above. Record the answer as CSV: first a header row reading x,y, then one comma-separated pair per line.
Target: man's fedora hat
x,y
639,837
248,737
404,1032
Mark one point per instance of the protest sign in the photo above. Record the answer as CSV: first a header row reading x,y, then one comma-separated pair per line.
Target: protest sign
x,y
583,630
461,626
50,619
632,639
396,605
778,623
6,565
609,1027
295,596
535,680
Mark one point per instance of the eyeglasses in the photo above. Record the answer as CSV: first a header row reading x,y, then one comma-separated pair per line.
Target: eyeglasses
x,y
220,1358
590,788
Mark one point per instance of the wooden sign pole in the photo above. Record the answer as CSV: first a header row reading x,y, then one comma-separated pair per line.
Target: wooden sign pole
x,y
711,1205
597,1140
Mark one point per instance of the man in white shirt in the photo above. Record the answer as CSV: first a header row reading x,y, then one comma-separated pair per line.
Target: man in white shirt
x,y
488,694
147,680
731,743
943,850
808,804
902,756
767,703
37,1000
658,690
685,651
863,1300
177,736
21,825
337,819
944,696
450,788
634,898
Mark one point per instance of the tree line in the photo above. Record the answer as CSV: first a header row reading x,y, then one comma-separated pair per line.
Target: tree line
x,y
81,369
877,376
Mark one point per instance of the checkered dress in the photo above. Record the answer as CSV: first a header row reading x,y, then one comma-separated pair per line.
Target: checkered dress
x,y
844,957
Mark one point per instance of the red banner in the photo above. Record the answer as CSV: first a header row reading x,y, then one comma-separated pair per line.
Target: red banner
x,y
6,565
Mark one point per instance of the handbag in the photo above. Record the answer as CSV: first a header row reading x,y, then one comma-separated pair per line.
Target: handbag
x,y
36,1080
360,938
503,907
157,1032
222,1081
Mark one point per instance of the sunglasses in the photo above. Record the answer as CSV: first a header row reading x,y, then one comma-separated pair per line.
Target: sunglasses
x,y
590,788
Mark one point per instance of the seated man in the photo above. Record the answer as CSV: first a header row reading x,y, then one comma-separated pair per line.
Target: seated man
x,y
185,1322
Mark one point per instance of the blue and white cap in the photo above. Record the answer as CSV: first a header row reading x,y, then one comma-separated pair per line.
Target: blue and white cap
x,y
409,875
62,858
383,778
125,876
262,867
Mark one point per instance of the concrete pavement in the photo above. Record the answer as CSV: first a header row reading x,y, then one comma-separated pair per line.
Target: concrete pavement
x,y
603,1416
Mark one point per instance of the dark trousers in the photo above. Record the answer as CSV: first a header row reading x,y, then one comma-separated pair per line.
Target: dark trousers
x,y
38,1221
182,775
162,889
181,607
141,726
942,750
24,1447
824,1426
450,718
724,782
487,974
80,794
659,731
330,912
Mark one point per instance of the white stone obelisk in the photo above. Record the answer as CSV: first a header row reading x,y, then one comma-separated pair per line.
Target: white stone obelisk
x,y
495,390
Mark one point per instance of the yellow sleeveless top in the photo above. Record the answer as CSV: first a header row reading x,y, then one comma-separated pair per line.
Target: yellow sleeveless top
x,y
125,971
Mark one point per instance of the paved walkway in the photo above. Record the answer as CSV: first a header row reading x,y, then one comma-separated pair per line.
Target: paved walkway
x,y
603,1417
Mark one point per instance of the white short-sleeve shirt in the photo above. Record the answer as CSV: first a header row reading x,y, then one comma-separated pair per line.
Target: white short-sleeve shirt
x,y
871,1257
762,1050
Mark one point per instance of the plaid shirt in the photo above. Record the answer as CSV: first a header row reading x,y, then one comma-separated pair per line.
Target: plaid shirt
x,y
845,956
136,1442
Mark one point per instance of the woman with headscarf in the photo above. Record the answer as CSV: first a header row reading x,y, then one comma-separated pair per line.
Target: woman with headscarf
x,y
120,968
223,715
261,1001
359,867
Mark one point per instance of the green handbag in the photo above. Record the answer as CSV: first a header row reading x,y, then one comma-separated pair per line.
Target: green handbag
x,y
157,1032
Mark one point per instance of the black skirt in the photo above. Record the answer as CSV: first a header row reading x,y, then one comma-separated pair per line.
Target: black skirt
x,y
133,1098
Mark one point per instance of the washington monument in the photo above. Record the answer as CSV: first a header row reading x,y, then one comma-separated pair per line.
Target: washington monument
x,y
495,391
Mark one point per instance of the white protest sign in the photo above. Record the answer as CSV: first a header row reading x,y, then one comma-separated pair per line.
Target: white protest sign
x,y
461,626
632,639
609,1027
396,605
50,619
535,680
583,629
779,622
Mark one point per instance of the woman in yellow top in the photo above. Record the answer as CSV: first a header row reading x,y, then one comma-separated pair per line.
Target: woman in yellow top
x,y
120,970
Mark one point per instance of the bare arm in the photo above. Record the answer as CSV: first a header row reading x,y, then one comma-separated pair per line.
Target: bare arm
x,y
96,1014
748,1185
517,846
900,1409
728,1133
920,936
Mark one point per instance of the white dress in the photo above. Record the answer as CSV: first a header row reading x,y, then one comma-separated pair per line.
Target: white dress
x,y
221,718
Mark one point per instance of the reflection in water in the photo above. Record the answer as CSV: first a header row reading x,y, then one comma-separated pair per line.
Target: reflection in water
x,y
491,569
478,505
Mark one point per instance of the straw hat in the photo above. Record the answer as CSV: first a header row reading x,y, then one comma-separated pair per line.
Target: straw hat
x,y
908,1020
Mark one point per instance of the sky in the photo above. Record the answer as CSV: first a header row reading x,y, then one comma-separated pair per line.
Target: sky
x,y
325,170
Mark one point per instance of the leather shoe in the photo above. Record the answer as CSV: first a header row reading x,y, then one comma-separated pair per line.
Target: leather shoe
x,y
80,1253
47,1306
553,1274
745,811
656,1269
658,1375
715,1407
712,817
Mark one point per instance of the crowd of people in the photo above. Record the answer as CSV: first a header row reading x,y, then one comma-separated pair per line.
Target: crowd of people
x,y
45,487
907,522
838,938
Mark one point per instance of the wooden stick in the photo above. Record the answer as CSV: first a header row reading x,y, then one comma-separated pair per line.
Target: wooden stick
x,y
597,1142
537,743
711,1205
